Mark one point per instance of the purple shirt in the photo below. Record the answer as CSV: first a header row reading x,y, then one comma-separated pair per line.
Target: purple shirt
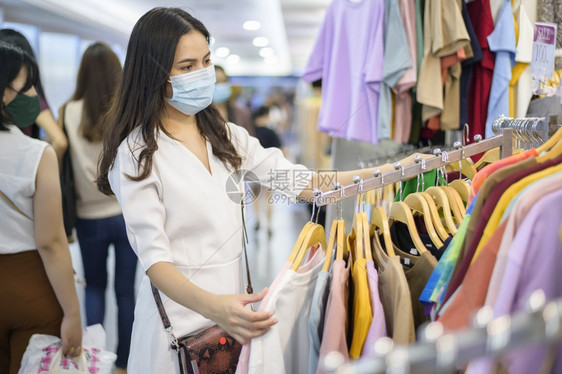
x,y
348,57
533,263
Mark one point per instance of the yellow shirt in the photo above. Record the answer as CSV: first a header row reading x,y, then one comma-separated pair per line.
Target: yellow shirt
x,y
504,201
362,313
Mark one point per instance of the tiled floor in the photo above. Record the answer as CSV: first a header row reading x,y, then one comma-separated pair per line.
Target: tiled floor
x,y
266,255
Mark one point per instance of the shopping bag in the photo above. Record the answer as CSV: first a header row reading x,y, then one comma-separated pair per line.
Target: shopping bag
x,y
60,365
44,355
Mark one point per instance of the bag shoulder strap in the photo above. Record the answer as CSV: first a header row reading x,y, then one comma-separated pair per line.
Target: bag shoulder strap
x,y
14,206
158,299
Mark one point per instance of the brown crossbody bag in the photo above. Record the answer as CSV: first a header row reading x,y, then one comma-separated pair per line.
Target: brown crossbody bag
x,y
212,350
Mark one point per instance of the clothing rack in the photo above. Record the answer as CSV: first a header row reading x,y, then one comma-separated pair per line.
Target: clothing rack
x,y
528,131
440,352
401,173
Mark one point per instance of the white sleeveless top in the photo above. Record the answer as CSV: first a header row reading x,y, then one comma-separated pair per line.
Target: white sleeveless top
x,y
19,161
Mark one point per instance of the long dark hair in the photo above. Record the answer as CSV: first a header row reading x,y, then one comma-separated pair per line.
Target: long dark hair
x,y
13,58
98,77
140,100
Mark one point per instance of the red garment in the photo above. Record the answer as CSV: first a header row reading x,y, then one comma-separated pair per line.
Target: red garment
x,y
483,23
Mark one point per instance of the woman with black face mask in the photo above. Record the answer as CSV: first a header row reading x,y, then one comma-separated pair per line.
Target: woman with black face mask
x,y
37,293
43,118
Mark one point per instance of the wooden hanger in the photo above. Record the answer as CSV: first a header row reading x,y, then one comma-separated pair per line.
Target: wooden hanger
x,y
316,235
455,202
399,211
488,157
442,203
379,221
330,247
380,256
418,203
462,187
468,167
435,218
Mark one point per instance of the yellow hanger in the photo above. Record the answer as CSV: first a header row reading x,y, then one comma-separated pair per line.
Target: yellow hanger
x,y
455,202
300,239
366,237
462,187
316,235
552,153
354,239
551,142
379,221
330,247
418,203
436,219
341,247
399,211
442,203
491,155
468,167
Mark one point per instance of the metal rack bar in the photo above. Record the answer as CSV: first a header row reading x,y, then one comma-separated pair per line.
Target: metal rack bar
x,y
504,141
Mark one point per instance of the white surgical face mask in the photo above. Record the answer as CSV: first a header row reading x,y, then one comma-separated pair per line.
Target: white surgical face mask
x,y
193,91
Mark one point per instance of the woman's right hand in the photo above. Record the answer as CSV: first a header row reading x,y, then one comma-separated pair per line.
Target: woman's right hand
x,y
240,322
71,335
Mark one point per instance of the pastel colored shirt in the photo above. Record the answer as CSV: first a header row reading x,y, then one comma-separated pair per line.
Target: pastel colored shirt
x,y
533,193
334,337
377,329
533,263
502,43
396,60
285,347
347,57
396,302
506,198
316,318
403,99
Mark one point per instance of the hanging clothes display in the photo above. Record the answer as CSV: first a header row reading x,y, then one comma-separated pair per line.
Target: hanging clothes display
x,y
502,42
395,64
347,57
481,17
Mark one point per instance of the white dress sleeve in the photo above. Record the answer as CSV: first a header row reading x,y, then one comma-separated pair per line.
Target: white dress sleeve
x,y
142,207
273,170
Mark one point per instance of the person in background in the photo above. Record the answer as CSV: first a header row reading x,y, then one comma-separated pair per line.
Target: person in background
x,y
99,220
226,105
45,119
268,138
37,293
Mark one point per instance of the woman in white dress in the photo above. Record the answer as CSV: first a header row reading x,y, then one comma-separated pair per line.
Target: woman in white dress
x,y
167,157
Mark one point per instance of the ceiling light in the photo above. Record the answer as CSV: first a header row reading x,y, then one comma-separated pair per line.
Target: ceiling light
x,y
260,41
222,52
266,52
232,59
271,60
251,25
